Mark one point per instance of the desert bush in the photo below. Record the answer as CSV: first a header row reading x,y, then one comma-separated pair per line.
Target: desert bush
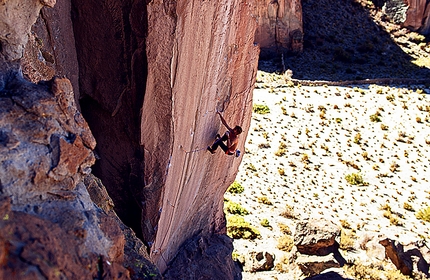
x,y
265,222
347,240
289,212
408,207
374,272
238,228
355,179
235,208
251,167
282,265
285,229
357,138
345,224
390,97
281,150
285,243
281,171
384,127
375,118
264,200
261,109
424,214
235,188
264,145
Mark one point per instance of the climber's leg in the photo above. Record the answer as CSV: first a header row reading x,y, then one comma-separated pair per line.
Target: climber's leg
x,y
219,143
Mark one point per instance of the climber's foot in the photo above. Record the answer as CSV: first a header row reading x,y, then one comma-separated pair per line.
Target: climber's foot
x,y
217,136
210,150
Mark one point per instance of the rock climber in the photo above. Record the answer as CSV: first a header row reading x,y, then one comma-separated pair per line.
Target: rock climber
x,y
231,136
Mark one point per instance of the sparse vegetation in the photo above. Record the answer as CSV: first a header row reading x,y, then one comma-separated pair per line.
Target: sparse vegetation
x,y
357,138
238,228
355,179
374,272
236,187
375,118
260,109
384,127
289,212
265,222
264,200
347,240
285,243
281,150
234,208
285,229
424,214
408,207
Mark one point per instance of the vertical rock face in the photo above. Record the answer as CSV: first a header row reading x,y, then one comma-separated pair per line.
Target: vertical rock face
x,y
418,16
110,45
205,60
279,25
152,77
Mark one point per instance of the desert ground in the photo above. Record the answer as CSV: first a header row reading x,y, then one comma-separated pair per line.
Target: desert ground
x,y
303,156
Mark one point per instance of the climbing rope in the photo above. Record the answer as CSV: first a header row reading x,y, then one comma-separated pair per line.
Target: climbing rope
x,y
192,151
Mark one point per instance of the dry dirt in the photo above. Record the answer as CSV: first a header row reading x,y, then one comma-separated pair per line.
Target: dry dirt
x,y
392,155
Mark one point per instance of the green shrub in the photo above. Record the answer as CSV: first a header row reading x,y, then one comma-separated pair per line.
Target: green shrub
x,y
238,228
424,214
282,149
375,118
265,222
408,207
264,200
355,179
235,208
357,138
260,109
235,188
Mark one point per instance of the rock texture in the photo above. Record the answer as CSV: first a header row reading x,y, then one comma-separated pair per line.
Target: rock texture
x,y
280,25
191,74
413,14
315,236
149,78
259,261
199,259
50,228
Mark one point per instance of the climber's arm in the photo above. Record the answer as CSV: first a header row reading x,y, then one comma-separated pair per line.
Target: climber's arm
x,y
224,122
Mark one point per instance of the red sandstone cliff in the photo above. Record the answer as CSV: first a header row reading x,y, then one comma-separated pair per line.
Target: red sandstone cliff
x,y
280,25
418,16
207,61
149,77
413,14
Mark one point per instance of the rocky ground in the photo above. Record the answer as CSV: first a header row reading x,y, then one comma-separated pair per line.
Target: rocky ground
x,y
301,156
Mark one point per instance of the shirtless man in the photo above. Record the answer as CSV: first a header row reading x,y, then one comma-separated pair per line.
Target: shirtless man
x,y
231,136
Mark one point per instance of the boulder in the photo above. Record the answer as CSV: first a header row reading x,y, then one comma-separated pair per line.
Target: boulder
x,y
410,258
395,252
312,265
259,261
316,237
204,258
